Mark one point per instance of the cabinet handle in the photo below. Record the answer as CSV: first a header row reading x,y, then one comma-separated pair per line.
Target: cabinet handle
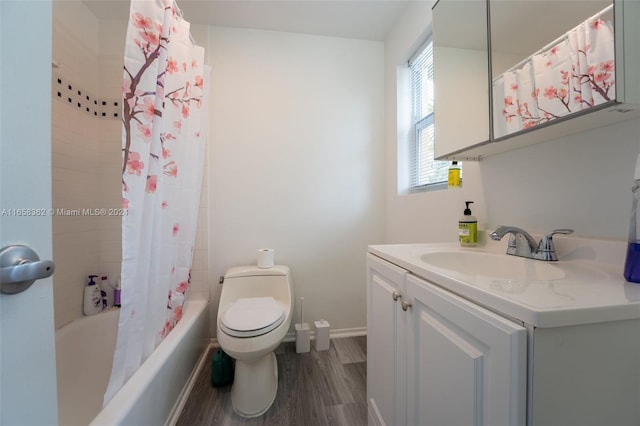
x,y
396,295
406,305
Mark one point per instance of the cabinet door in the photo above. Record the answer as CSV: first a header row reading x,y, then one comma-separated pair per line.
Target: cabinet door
x,y
461,77
385,343
465,365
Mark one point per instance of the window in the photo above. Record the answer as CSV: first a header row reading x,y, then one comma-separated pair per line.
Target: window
x,y
426,173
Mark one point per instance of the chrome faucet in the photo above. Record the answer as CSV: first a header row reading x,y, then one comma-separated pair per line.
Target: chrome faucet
x,y
522,244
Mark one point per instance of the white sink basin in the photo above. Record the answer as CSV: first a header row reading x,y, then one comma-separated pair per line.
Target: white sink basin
x,y
586,285
491,265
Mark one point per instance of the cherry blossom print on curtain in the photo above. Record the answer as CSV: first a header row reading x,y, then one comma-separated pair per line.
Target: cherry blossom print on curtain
x,y
574,74
163,142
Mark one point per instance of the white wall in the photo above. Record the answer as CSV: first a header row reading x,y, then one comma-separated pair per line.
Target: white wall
x,y
430,216
581,182
296,162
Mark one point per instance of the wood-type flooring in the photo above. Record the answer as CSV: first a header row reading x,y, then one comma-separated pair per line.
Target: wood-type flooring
x,y
314,388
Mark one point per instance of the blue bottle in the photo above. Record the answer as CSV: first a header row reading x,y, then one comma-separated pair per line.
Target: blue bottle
x,y
632,264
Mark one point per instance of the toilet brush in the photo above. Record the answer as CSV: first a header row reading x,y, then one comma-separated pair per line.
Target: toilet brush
x,y
303,333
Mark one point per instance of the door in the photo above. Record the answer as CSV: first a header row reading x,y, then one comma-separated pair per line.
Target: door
x,y
466,366
386,342
27,345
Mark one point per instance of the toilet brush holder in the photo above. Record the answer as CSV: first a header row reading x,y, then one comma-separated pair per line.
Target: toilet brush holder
x,y
322,335
303,338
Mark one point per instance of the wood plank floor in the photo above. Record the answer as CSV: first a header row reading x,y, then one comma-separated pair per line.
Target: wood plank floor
x,y
315,388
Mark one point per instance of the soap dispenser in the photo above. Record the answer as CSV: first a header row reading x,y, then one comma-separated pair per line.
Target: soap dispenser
x,y
468,228
92,297
453,179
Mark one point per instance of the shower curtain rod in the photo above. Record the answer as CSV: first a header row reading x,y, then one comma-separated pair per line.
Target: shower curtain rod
x,y
563,37
181,16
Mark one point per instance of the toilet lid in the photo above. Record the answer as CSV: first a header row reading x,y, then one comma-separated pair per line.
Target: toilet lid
x,y
253,316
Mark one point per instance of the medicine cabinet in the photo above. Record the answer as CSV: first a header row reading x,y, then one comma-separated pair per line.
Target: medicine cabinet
x,y
461,75
550,69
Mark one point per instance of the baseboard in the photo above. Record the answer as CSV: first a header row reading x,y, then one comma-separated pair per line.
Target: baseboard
x,y
188,387
333,334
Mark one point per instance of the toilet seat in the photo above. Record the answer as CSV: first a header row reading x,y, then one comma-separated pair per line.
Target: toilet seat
x,y
252,316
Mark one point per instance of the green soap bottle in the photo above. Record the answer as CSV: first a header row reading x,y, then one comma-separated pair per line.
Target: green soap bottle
x,y
468,228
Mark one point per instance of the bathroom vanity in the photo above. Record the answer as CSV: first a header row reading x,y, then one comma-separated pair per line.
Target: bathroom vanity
x,y
472,336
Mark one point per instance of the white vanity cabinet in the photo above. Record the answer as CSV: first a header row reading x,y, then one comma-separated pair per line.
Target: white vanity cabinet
x,y
563,350
386,347
443,361
465,364
585,375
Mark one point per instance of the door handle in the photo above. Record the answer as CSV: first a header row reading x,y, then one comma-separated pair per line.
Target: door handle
x,y
406,305
20,267
396,295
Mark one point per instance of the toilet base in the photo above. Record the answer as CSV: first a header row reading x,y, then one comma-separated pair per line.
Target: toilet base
x,y
255,386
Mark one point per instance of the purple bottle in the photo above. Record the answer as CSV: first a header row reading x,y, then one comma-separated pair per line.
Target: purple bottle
x,y
632,264
116,295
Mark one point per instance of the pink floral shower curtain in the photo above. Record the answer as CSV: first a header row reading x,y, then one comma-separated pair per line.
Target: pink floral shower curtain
x,y
163,144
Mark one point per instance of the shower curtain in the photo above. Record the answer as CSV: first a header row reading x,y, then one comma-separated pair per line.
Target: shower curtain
x,y
163,142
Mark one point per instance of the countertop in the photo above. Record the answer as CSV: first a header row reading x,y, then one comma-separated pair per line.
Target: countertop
x,y
593,288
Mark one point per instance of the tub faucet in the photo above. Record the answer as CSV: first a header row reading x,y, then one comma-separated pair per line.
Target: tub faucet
x,y
522,244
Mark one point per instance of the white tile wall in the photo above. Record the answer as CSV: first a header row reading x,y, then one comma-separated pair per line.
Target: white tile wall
x,y
87,158
75,185
75,166
110,171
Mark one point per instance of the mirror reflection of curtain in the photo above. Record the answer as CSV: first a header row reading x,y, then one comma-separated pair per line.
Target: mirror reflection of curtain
x,y
575,72
553,82
600,59
528,107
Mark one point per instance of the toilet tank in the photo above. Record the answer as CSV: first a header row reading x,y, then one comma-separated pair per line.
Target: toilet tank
x,y
251,281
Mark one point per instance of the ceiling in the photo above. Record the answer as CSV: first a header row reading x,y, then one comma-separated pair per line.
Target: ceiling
x,y
361,19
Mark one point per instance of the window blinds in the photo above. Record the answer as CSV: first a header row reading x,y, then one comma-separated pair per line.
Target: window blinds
x,y
425,171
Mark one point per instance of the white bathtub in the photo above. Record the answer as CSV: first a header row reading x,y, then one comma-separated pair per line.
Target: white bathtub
x,y
152,396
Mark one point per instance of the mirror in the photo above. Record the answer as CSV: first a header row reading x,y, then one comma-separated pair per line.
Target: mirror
x,y
461,75
549,59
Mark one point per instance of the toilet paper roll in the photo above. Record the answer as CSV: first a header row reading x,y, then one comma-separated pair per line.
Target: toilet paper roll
x,y
265,258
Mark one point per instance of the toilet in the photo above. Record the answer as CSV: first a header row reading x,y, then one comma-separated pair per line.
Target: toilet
x,y
254,316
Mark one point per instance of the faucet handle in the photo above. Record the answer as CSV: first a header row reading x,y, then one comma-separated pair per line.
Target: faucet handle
x,y
546,249
563,231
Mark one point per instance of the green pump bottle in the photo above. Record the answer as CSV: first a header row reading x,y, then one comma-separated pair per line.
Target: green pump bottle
x,y
468,228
